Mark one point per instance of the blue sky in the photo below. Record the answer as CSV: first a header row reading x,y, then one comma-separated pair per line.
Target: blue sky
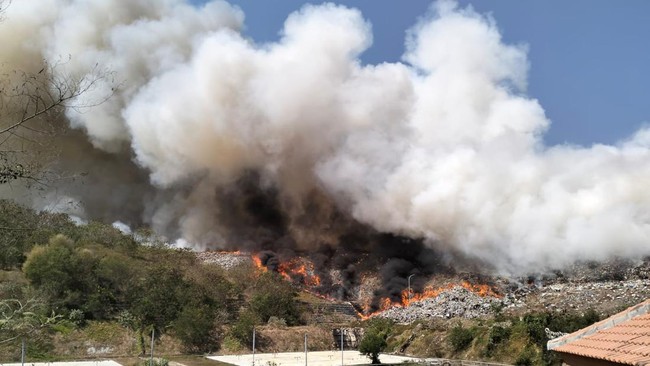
x,y
589,58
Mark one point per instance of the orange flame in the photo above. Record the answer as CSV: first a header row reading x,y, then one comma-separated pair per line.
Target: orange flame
x,y
302,270
258,263
296,269
428,292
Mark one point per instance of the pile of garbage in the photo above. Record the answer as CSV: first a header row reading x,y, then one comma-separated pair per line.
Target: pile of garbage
x,y
456,302
225,260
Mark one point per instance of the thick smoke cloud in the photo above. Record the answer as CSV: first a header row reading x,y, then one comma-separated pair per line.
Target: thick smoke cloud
x,y
444,147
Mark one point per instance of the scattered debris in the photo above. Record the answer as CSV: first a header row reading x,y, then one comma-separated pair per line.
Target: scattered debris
x,y
452,303
226,260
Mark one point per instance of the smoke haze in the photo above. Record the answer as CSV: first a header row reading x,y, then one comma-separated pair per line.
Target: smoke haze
x,y
225,143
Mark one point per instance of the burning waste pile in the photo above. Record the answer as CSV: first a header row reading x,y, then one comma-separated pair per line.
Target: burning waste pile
x,y
454,302
461,299
430,165
450,294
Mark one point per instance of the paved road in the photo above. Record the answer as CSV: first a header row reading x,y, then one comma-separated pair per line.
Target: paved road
x,y
321,358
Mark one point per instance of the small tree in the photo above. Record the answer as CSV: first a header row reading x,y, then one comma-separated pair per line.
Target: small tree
x,y
372,344
374,339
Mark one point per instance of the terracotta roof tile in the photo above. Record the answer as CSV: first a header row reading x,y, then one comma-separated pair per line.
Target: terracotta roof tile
x,y
622,338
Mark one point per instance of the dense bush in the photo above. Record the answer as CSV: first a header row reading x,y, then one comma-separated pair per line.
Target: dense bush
x,y
535,325
95,272
272,296
567,322
460,338
242,329
16,226
526,357
155,362
496,336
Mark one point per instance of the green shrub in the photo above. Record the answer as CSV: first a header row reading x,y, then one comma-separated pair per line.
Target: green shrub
x,y
231,344
155,362
535,325
275,297
526,357
569,322
242,330
277,322
497,336
195,329
126,319
460,338
77,317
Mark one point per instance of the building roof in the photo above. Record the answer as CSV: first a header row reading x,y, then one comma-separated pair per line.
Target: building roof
x,y
622,338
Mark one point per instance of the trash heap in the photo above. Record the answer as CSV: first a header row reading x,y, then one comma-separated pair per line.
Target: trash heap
x,y
453,303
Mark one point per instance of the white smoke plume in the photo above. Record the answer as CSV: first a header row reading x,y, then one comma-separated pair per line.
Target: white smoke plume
x,y
445,146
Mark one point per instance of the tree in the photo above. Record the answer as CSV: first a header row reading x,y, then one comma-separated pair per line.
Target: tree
x,y
52,268
374,338
157,300
16,226
195,327
274,297
21,228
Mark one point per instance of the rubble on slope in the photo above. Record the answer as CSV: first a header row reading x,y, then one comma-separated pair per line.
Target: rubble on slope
x,y
225,260
452,303
606,287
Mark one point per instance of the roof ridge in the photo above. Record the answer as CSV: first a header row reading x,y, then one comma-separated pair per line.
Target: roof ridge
x,y
625,315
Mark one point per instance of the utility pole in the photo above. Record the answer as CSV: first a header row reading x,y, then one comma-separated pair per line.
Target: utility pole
x,y
305,349
152,335
22,353
409,284
253,346
341,346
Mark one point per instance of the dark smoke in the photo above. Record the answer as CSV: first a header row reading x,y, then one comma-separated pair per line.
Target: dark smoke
x,y
396,258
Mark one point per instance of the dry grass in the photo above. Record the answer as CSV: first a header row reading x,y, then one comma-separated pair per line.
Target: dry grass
x,y
107,340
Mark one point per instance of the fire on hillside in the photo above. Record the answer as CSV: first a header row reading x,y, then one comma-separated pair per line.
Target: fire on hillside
x,y
301,271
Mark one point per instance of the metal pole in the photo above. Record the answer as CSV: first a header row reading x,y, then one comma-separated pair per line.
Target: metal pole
x,y
305,349
341,346
22,353
253,346
409,283
152,335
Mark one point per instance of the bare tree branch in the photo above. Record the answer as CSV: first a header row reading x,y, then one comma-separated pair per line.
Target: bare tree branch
x,y
32,106
4,4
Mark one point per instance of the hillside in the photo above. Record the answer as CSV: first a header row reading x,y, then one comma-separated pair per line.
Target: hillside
x,y
91,291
